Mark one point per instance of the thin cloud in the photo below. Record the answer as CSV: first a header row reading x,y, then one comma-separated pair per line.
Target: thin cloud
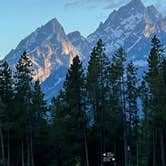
x,y
115,4
84,3
159,4
71,4
112,4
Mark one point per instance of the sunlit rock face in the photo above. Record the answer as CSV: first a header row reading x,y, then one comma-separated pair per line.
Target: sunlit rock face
x,y
149,29
49,49
82,45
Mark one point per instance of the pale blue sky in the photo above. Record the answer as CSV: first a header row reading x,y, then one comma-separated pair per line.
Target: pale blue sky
x,y
18,18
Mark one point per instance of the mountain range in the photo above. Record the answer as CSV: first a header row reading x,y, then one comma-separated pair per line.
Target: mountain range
x,y
52,50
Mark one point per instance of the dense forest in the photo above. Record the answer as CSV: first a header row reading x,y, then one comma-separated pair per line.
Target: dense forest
x,y
104,115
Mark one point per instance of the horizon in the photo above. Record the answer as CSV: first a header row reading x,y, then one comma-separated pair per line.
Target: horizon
x,y
24,24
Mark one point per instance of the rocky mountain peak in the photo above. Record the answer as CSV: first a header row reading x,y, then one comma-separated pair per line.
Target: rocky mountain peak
x,y
74,34
81,43
154,14
120,23
136,4
133,7
50,51
53,26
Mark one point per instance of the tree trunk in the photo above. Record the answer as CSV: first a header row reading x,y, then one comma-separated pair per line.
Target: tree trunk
x,y
86,149
2,146
22,153
125,149
123,103
162,148
125,134
28,151
137,153
31,145
8,147
102,136
154,147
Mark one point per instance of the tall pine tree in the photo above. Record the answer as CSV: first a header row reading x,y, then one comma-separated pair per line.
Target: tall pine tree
x,y
97,89
155,83
132,112
23,104
7,96
71,113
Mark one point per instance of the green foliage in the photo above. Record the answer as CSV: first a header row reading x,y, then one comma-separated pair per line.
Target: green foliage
x,y
70,116
95,112
7,92
154,102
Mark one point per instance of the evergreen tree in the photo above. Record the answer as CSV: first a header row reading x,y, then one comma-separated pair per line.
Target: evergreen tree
x,y
60,133
97,89
146,133
7,96
74,96
39,106
6,83
73,112
38,122
155,83
2,121
23,104
132,112
118,105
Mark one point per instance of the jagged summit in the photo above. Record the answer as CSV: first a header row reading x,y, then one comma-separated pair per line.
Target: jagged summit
x,y
54,21
136,4
75,34
53,26
153,13
130,18
81,43
125,18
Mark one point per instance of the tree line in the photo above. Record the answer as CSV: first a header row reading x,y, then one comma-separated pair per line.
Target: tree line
x,y
105,108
